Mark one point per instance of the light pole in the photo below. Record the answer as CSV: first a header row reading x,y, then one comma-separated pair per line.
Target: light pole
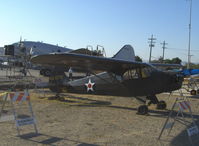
x,y
163,47
189,45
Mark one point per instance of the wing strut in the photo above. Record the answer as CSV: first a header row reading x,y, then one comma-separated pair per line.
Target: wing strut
x,y
117,81
99,77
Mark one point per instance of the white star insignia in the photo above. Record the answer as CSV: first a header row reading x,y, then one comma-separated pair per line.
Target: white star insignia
x,y
89,85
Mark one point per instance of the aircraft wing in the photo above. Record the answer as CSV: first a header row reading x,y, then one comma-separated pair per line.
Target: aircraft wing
x,y
189,72
86,62
167,66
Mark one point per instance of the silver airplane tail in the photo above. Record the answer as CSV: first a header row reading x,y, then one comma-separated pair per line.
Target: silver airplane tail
x,y
125,53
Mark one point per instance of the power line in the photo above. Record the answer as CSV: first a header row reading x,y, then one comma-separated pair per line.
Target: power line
x,y
182,49
177,49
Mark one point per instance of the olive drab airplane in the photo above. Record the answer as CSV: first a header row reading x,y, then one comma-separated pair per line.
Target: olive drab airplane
x,y
121,76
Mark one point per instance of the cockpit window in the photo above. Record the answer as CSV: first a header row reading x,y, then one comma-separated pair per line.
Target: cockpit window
x,y
141,72
131,74
146,72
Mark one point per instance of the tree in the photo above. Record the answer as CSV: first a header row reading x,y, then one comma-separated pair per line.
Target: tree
x,y
192,66
176,60
160,60
138,59
168,61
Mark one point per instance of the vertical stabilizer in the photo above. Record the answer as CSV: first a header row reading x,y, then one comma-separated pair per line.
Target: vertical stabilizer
x,y
126,53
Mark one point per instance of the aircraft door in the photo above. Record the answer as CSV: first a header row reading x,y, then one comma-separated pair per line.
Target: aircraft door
x,y
138,81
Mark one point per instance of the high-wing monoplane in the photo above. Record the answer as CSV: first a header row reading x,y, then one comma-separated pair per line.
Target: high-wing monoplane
x,y
120,75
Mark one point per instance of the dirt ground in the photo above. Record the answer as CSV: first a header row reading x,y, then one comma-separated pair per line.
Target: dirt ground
x,y
88,120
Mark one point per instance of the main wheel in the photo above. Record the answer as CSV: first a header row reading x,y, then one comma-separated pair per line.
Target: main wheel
x,y
142,110
193,92
161,105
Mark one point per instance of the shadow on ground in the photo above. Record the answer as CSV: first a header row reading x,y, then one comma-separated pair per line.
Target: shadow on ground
x,y
87,102
80,101
182,139
50,140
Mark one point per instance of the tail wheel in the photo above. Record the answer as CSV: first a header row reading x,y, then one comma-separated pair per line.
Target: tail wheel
x,y
193,92
142,110
161,105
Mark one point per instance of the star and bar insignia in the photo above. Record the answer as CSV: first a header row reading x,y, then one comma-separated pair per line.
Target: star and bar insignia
x,y
89,85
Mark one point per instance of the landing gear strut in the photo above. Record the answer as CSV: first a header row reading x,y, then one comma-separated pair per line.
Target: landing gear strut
x,y
143,109
154,100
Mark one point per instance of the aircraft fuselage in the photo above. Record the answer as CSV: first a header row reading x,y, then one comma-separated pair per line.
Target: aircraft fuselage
x,y
131,83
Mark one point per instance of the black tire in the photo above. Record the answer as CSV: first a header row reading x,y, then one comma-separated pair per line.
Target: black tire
x,y
41,72
161,105
193,92
47,73
142,110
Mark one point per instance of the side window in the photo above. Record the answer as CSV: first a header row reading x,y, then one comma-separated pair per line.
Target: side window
x,y
131,74
146,72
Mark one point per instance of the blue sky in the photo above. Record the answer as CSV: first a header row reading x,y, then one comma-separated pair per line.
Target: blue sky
x,y
110,23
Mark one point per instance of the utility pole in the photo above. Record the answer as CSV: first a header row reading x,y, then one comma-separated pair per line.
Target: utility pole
x,y
189,45
151,45
163,47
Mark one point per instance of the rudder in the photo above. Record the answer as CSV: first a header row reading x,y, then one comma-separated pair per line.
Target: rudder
x,y
125,53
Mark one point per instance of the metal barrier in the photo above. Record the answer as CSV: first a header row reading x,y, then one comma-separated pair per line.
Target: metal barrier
x,y
16,99
182,104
